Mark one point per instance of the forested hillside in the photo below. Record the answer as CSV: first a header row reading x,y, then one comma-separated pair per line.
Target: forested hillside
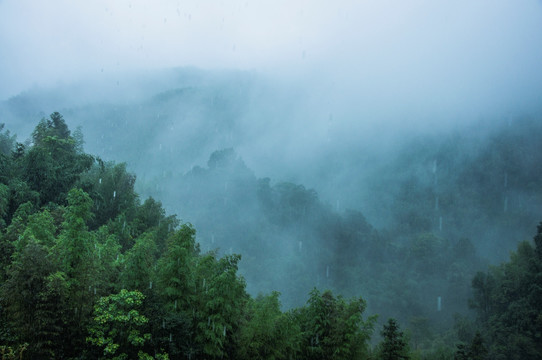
x,y
477,180
89,270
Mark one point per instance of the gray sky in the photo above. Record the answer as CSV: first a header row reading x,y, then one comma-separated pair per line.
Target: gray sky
x,y
416,53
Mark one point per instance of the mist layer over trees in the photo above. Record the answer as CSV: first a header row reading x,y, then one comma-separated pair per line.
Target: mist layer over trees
x,y
403,230
270,179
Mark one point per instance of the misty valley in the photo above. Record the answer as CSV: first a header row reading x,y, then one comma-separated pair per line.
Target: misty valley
x,y
191,214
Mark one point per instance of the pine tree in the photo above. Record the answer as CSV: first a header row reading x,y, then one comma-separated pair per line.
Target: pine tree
x,y
394,345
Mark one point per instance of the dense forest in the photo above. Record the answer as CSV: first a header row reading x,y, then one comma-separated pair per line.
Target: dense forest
x,y
88,270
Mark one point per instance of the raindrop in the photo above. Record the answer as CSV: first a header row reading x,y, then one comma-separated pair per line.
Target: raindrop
x,y
203,283
114,194
163,324
440,223
327,271
94,290
170,337
175,304
208,321
434,166
439,303
212,239
100,179
150,285
160,147
300,245
224,331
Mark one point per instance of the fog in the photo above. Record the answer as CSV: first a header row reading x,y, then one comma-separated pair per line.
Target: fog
x,y
382,120
428,57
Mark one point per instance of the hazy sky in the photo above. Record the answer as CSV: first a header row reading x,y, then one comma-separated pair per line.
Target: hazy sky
x,y
420,53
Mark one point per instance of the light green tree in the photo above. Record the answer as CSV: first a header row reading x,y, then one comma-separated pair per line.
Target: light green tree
x,y
117,327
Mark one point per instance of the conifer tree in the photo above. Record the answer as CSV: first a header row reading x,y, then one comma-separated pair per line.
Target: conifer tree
x,y
394,346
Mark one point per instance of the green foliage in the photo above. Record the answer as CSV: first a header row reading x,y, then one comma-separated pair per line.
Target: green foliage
x,y
75,258
475,351
7,141
53,165
108,260
508,302
25,296
39,228
4,201
86,271
116,326
74,245
220,297
111,188
12,353
394,345
266,332
140,262
333,328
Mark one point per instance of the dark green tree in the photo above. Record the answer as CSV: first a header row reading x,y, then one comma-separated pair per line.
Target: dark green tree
x,y
334,328
24,295
74,252
394,346
53,165
7,141
508,302
140,262
177,283
266,332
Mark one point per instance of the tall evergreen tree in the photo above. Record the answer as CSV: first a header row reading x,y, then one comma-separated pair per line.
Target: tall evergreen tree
x,y
394,345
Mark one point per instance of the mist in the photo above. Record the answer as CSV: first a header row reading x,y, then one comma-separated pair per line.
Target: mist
x,y
357,70
327,144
